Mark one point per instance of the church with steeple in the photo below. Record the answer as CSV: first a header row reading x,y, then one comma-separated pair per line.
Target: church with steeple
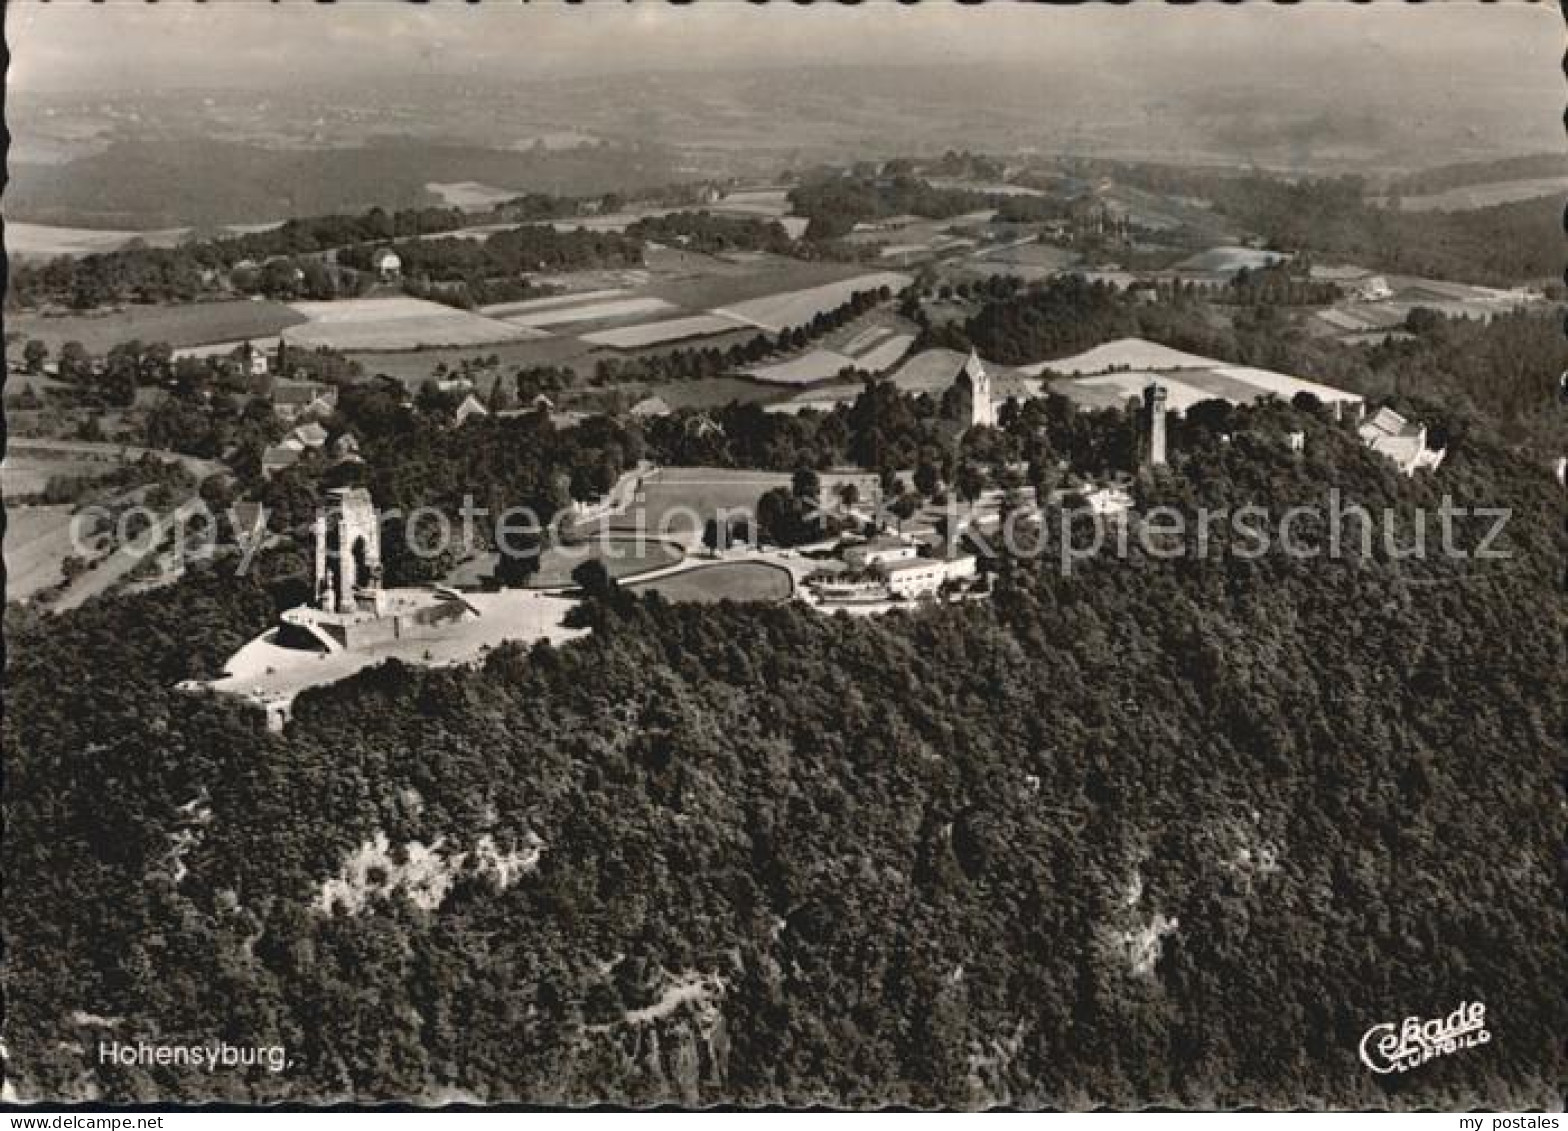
x,y
982,403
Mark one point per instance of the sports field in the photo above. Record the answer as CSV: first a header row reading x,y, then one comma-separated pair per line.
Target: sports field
x,y
726,581
680,500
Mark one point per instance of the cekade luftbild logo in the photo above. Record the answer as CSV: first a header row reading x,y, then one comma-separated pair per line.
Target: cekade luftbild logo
x,y
1401,1046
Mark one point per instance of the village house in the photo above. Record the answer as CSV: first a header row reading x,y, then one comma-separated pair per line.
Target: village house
x,y
280,457
1108,500
1390,434
253,362
387,265
303,400
469,407
650,407
312,435
345,449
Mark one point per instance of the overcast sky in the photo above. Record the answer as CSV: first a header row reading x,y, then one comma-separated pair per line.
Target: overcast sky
x,y
129,44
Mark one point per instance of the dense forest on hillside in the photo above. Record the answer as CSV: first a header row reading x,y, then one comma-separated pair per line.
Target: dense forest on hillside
x,y
713,233
1461,174
1154,831
835,201
1504,245
204,266
170,182
1505,370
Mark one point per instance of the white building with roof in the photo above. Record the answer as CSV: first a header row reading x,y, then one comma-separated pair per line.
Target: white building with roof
x,y
1390,434
387,264
924,577
885,549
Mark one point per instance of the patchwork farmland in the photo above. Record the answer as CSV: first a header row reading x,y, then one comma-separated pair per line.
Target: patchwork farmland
x,y
796,308
396,324
871,344
593,311
677,298
669,330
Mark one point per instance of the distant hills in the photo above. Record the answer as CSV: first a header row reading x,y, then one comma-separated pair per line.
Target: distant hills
x,y
192,180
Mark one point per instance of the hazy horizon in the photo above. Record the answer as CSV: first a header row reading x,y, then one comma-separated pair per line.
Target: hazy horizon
x,y
67,47
107,98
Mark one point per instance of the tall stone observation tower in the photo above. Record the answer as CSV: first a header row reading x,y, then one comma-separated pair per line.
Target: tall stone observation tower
x,y
1154,425
982,409
348,553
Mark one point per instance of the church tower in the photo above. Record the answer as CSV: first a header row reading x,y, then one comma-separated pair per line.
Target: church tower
x,y
982,407
1154,425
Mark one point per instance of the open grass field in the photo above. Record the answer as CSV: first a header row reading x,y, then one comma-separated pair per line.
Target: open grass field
x,y
725,581
1123,353
885,354
37,540
609,221
807,369
754,202
27,475
714,392
396,324
1230,259
471,196
667,330
413,366
553,302
192,324
1484,196
796,308
593,311
1034,254
46,241
705,282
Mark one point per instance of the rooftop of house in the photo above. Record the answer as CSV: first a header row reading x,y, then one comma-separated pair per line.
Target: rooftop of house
x,y
1386,422
312,435
291,392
